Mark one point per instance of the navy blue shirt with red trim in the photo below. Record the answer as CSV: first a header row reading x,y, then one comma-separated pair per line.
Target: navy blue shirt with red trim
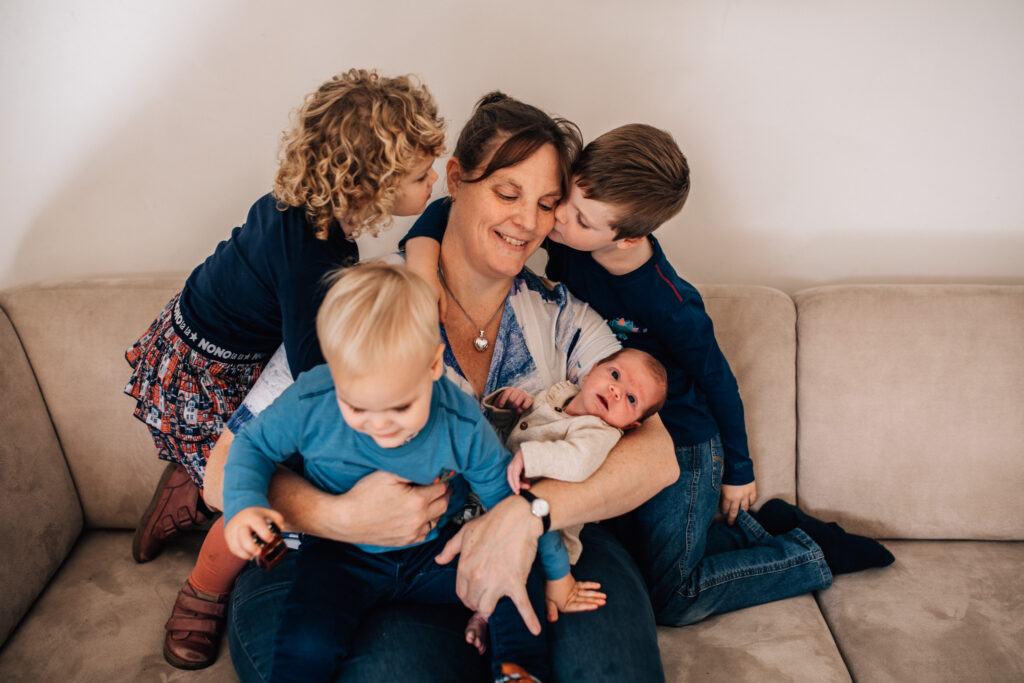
x,y
262,287
654,310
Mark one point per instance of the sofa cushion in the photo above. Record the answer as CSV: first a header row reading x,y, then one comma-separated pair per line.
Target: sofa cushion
x,y
944,611
781,641
910,409
40,516
106,616
75,334
756,329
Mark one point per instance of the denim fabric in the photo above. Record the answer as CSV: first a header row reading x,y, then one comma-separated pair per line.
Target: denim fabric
x,y
337,583
426,643
695,567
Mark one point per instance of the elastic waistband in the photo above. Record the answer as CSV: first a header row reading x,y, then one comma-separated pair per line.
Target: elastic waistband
x,y
207,348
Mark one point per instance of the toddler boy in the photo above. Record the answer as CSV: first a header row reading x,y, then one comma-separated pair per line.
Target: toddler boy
x,y
380,402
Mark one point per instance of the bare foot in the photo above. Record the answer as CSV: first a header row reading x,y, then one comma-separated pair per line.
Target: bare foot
x,y
476,632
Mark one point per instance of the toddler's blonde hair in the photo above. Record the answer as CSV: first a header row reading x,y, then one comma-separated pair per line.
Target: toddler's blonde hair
x,y
351,143
377,315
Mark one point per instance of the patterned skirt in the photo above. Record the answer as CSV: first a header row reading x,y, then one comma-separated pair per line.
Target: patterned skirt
x,y
184,396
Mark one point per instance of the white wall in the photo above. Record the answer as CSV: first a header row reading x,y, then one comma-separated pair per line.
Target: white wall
x,y
869,141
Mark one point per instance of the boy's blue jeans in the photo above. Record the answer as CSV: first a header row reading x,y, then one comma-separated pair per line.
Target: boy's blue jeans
x,y
336,585
695,567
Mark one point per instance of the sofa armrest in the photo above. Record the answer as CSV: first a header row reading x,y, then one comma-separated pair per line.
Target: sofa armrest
x,y
40,512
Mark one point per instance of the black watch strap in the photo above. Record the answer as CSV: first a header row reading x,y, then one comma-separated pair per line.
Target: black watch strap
x,y
533,500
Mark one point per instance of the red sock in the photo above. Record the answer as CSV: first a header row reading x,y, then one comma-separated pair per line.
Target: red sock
x,y
217,567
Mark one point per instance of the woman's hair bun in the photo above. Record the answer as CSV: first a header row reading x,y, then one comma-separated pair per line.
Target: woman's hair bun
x,y
492,97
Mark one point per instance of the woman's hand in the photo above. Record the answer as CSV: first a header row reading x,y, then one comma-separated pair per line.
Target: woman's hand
x,y
252,520
498,550
736,498
385,509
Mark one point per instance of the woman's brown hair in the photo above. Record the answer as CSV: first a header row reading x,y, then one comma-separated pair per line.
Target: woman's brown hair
x,y
510,131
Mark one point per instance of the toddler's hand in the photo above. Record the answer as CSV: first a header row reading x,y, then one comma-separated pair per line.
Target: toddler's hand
x,y
514,399
515,473
252,520
736,498
569,595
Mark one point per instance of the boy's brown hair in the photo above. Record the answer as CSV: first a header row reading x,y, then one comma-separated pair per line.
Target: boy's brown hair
x,y
641,170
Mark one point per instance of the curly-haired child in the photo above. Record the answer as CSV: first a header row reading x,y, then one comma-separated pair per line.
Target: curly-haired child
x,y
361,150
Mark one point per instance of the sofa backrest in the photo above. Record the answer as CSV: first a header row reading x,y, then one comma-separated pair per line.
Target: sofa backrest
x,y
40,516
756,329
911,409
75,334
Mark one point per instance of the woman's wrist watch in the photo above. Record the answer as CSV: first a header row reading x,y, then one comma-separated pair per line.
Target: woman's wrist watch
x,y
539,507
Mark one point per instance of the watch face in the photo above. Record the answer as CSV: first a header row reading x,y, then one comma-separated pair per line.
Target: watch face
x,y
540,507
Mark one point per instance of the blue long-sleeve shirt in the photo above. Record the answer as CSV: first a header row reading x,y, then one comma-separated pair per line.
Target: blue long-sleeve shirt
x,y
654,310
306,420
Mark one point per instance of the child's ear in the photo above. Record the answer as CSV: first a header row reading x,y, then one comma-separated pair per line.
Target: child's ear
x,y
632,426
437,367
453,173
629,242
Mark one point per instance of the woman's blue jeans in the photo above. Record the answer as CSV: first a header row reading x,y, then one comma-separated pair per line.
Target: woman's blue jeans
x,y
426,643
337,583
695,567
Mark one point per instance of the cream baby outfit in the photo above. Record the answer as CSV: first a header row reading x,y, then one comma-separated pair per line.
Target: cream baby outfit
x,y
556,445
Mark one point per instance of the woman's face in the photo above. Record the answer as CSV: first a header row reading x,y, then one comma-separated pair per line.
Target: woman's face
x,y
500,221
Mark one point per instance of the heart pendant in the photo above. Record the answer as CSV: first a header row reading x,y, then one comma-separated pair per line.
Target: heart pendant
x,y
481,344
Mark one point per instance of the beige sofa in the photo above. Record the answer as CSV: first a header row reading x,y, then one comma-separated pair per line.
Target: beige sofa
x,y
896,410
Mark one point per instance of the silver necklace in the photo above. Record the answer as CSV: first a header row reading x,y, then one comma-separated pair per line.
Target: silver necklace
x,y
480,343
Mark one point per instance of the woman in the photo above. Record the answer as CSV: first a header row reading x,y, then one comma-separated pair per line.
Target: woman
x,y
508,172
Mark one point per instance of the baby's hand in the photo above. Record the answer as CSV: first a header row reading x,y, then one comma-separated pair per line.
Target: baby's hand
x,y
514,399
252,520
515,476
569,595
736,498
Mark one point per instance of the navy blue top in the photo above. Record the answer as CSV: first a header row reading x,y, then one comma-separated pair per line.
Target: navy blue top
x,y
654,310
262,287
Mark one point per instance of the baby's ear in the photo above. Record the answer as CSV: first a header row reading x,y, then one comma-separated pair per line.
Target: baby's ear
x,y
632,426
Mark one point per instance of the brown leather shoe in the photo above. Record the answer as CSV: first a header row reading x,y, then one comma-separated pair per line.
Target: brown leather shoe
x,y
195,628
174,508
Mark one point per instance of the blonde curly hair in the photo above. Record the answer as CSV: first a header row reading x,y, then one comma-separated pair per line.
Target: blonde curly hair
x,y
352,142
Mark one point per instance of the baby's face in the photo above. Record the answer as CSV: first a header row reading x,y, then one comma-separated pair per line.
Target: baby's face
x,y
619,391
389,406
